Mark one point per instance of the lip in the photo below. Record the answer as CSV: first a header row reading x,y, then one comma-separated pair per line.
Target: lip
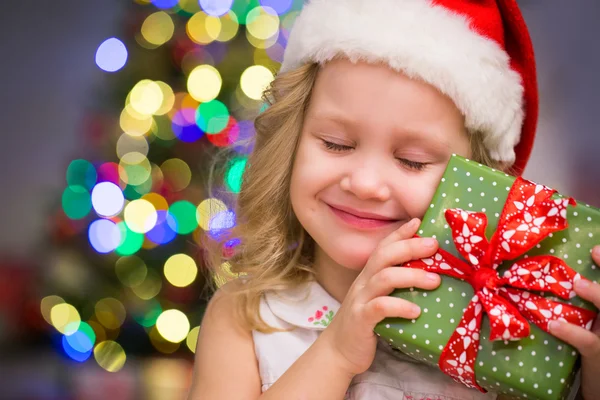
x,y
361,214
362,221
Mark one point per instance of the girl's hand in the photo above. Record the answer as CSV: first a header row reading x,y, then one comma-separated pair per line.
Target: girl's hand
x,y
350,335
586,342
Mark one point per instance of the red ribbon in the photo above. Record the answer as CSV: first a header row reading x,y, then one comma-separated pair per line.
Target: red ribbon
x,y
529,215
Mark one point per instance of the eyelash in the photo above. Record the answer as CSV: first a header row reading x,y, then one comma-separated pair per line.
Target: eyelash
x,y
414,165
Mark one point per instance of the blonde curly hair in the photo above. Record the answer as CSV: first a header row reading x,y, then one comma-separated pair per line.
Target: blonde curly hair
x,y
275,252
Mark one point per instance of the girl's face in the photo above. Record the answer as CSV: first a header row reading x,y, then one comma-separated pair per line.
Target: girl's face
x,y
373,147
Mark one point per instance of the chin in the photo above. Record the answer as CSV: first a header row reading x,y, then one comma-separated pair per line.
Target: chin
x,y
353,255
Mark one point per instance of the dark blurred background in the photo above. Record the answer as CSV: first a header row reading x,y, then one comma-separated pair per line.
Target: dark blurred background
x,y
99,131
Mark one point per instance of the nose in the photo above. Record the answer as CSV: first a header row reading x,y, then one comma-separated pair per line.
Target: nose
x,y
367,182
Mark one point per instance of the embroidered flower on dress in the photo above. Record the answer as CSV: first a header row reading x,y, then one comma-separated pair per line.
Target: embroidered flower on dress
x,y
320,318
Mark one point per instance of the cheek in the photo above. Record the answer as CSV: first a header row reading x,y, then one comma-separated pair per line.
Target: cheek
x,y
418,198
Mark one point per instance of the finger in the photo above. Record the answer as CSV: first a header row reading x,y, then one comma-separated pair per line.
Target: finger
x,y
588,290
397,253
596,254
586,342
406,231
385,281
383,307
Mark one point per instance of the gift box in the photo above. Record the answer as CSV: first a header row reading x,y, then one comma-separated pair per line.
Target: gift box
x,y
510,300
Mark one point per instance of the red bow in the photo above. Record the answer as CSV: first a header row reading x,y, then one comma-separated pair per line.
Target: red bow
x,y
529,215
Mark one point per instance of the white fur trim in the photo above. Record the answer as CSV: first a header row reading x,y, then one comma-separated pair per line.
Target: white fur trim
x,y
423,41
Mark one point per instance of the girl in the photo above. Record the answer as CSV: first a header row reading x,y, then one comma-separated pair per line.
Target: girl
x,y
372,99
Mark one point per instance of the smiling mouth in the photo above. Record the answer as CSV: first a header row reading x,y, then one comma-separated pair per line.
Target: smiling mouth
x,y
361,221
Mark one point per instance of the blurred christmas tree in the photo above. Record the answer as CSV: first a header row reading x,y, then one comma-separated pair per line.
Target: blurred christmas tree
x,y
183,79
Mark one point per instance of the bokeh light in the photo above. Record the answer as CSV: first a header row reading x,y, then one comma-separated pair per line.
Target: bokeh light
x,y
130,144
177,174
229,27
81,173
46,306
204,83
164,4
234,174
255,80
130,242
146,97
79,345
180,270
216,7
110,355
262,23
131,270
133,123
107,199
203,28
65,318
184,126
207,209
147,312
280,6
212,117
140,216
192,339
76,202
104,235
111,55
173,325
168,98
184,214
150,287
158,28
110,313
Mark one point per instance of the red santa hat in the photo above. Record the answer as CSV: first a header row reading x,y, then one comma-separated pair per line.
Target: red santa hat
x,y
477,52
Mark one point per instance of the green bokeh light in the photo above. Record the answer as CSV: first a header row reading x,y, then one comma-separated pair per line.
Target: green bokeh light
x,y
131,193
148,316
76,201
81,173
233,176
212,117
131,241
184,213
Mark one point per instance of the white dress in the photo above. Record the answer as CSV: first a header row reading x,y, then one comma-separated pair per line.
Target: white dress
x,y
392,375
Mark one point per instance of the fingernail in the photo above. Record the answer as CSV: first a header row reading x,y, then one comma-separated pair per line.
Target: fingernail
x,y
429,242
432,277
416,309
554,326
582,284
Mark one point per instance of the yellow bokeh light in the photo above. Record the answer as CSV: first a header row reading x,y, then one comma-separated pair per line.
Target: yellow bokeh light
x,y
134,168
203,28
131,270
150,287
129,144
140,216
46,306
180,270
173,325
168,98
159,202
207,209
192,339
161,127
160,343
176,173
204,83
158,28
110,355
262,22
99,331
146,97
133,124
229,27
262,43
254,80
65,318
110,313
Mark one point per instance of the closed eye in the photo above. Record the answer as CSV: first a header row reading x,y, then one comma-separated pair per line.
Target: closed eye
x,y
414,165
336,146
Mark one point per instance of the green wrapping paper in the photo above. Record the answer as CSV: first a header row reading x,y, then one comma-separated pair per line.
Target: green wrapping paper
x,y
538,367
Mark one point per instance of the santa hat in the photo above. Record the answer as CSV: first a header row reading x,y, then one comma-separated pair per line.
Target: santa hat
x,y
477,52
